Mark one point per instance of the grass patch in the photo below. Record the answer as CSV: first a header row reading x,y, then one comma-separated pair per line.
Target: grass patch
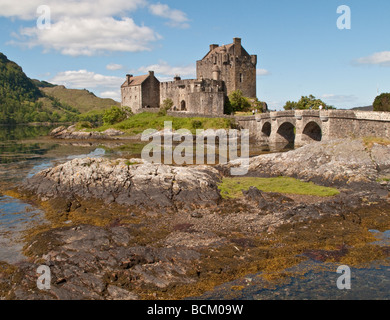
x,y
231,188
140,122
370,141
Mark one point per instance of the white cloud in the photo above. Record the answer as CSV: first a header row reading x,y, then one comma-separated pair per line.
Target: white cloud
x,y
86,79
90,36
379,58
27,9
114,67
166,71
89,27
338,98
176,18
262,72
115,95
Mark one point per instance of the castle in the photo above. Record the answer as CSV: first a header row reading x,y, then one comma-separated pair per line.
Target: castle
x,y
222,71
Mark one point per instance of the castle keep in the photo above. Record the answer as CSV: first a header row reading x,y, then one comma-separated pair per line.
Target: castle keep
x,y
223,70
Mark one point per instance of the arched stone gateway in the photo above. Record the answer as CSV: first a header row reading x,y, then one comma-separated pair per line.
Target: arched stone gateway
x,y
312,131
286,133
183,106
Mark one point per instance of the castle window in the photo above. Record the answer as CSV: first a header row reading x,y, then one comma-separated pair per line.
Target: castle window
x,y
241,78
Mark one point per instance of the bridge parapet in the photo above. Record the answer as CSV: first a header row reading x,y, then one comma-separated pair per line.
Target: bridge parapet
x,y
305,126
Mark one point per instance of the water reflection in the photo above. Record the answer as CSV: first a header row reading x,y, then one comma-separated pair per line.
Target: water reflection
x,y
15,217
16,144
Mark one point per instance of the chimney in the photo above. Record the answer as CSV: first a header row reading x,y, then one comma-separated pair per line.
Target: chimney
x,y
254,59
151,73
177,78
213,46
129,76
237,46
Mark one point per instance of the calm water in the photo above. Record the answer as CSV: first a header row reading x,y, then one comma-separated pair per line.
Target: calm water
x,y
24,151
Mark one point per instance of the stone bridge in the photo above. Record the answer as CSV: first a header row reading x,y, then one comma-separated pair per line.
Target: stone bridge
x,y
305,126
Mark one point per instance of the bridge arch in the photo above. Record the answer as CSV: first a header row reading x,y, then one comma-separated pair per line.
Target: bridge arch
x,y
312,132
286,133
267,129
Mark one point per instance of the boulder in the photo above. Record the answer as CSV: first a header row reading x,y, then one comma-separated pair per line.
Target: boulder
x,y
115,181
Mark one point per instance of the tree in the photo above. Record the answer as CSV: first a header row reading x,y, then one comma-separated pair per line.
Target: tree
x,y
306,103
114,115
382,102
237,102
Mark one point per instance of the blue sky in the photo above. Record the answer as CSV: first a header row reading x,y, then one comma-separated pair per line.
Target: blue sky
x,y
94,44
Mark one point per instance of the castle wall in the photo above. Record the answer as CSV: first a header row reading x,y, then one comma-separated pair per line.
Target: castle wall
x,y
245,77
132,98
151,93
193,96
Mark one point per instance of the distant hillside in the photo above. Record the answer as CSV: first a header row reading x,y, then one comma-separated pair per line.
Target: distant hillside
x,y
82,100
368,108
43,84
23,100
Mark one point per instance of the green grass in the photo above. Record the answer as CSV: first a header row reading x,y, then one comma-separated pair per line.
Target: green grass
x,y
139,123
231,188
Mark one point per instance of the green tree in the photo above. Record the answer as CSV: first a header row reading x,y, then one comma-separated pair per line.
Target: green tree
x,y
382,102
307,102
237,102
114,115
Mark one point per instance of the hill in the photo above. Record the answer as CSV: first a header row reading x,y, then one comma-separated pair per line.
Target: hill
x,y
368,108
18,93
82,100
23,100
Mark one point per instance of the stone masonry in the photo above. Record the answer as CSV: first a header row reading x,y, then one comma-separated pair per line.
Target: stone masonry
x,y
303,127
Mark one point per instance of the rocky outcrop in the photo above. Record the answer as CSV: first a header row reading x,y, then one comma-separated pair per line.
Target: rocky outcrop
x,y
71,133
336,162
88,262
128,182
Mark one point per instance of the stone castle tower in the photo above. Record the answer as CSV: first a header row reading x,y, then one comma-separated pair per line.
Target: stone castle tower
x,y
233,65
223,70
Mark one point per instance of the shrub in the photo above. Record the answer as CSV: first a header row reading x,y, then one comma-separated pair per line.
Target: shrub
x,y
84,125
167,105
196,124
